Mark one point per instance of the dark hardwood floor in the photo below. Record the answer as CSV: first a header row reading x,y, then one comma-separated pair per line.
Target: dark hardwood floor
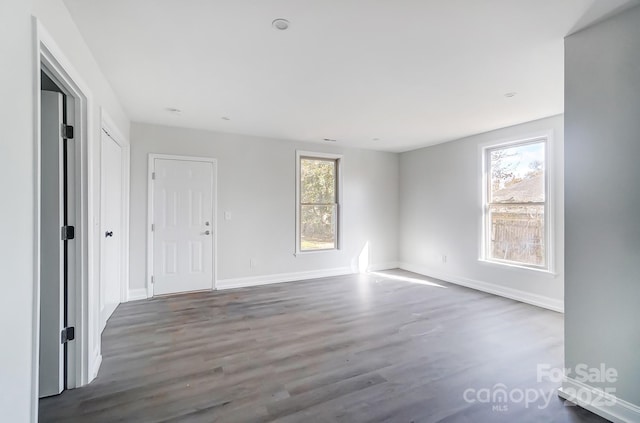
x,y
361,348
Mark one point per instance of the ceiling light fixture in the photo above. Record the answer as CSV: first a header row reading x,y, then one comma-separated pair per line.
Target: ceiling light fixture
x,y
329,140
174,110
225,118
511,94
375,139
280,24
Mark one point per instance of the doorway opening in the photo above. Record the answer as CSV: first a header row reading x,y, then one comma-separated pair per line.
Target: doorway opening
x,y
57,237
66,351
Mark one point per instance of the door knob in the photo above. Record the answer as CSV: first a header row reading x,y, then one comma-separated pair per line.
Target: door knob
x,y
108,234
207,232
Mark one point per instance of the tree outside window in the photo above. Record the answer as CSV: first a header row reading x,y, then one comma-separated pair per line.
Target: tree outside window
x,y
318,206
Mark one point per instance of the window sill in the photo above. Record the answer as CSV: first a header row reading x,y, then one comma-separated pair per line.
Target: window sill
x,y
517,267
304,253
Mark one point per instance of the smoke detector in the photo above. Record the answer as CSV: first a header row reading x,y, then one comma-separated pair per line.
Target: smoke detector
x,y
280,24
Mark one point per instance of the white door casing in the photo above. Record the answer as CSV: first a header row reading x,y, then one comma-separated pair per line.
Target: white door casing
x,y
51,361
183,224
111,228
83,353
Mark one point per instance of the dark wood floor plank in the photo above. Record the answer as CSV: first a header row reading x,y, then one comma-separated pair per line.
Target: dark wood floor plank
x,y
359,348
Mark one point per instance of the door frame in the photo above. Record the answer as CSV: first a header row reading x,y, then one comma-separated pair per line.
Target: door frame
x,y
151,170
82,367
109,128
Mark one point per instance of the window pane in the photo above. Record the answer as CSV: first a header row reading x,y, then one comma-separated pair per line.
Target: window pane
x,y
517,233
318,227
517,174
318,181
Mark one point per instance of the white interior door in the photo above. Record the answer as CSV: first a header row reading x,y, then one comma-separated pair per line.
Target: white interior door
x,y
51,358
182,226
111,260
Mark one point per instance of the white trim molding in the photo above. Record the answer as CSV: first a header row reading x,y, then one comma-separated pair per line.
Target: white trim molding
x,y
599,402
547,137
383,266
502,291
282,277
83,299
137,294
96,362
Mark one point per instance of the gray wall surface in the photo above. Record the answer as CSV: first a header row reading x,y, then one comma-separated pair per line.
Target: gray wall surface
x,y
602,102
441,214
256,184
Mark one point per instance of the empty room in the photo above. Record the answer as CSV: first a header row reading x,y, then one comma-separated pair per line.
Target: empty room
x,y
320,211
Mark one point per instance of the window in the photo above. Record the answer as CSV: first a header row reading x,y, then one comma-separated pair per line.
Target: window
x,y
318,208
516,230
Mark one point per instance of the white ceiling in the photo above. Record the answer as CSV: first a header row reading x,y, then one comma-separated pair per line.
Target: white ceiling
x,y
409,72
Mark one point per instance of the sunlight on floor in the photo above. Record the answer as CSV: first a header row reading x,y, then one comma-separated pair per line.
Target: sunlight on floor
x,y
407,279
363,259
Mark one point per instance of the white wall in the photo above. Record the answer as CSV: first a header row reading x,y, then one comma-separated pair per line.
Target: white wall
x,y
441,210
256,183
18,394
602,320
17,190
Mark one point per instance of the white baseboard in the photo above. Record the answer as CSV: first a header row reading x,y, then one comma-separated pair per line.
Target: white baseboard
x,y
384,266
514,294
599,402
137,294
281,277
97,362
231,283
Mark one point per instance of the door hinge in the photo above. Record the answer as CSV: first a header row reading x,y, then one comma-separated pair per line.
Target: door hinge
x,y
153,227
153,175
67,233
68,334
153,280
67,131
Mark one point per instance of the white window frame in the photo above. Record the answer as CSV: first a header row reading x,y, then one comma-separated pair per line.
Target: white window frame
x,y
549,209
329,156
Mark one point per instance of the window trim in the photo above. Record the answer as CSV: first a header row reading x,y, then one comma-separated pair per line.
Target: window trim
x,y
300,154
549,210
